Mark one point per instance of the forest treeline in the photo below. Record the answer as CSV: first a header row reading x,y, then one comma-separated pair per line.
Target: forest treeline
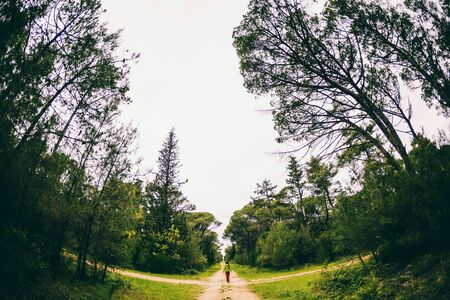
x,y
343,83
69,185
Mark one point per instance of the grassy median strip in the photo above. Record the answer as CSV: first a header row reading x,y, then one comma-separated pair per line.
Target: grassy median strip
x,y
252,273
145,289
294,288
194,276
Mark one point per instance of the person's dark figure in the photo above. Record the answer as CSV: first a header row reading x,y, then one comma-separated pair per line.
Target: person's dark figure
x,y
227,270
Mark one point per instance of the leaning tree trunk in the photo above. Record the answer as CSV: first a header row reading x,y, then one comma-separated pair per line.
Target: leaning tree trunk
x,y
105,269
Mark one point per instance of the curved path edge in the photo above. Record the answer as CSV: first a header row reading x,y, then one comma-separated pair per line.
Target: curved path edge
x,y
304,273
159,279
237,282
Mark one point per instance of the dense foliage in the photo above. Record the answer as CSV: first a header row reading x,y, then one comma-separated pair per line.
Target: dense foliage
x,y
393,215
425,278
291,226
336,76
63,154
68,189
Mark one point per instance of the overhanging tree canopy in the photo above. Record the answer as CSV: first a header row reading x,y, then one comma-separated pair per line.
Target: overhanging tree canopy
x,y
326,90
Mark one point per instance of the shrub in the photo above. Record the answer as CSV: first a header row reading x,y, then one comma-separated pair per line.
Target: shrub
x,y
278,248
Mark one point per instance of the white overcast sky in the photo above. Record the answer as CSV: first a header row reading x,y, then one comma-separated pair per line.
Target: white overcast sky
x,y
188,78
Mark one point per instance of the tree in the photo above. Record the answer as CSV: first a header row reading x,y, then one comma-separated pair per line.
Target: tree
x,y
62,82
304,206
230,252
100,136
113,165
413,36
165,203
324,86
202,224
265,197
320,177
296,185
278,248
356,224
112,237
243,230
165,230
79,62
394,215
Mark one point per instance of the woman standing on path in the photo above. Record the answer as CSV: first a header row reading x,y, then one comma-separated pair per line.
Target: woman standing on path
x,y
227,270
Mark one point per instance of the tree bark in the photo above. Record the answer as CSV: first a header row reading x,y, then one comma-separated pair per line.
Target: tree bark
x,y
61,237
47,105
362,260
105,269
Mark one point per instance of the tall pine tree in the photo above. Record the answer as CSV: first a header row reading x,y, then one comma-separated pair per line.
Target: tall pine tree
x,y
165,226
165,204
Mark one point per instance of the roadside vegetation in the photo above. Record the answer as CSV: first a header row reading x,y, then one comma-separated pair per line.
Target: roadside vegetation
x,y
194,275
64,286
298,287
68,176
136,288
252,272
294,288
343,81
426,277
115,286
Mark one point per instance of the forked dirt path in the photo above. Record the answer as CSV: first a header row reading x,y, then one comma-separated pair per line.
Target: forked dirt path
x,y
216,287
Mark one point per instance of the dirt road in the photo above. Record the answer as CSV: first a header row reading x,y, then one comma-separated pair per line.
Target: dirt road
x,y
216,286
219,289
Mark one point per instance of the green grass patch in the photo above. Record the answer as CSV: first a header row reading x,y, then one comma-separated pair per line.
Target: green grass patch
x,y
294,288
83,290
65,286
427,277
250,273
145,289
194,276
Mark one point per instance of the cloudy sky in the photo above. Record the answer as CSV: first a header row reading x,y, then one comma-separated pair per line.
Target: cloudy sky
x,y
188,78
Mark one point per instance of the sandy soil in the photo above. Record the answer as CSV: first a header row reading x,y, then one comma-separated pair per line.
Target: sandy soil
x,y
219,289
